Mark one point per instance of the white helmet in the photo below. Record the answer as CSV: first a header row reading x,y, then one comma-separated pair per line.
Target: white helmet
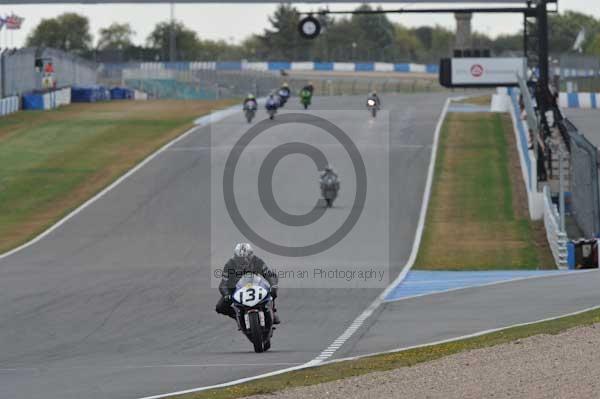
x,y
243,250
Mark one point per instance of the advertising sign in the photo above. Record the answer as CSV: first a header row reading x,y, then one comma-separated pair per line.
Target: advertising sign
x,y
487,71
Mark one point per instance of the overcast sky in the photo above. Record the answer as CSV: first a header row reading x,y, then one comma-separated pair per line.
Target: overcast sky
x,y
233,22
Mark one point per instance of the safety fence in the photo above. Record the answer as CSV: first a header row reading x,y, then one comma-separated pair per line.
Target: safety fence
x,y
585,190
557,239
212,84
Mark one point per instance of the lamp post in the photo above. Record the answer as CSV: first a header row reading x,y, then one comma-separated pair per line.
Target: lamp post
x,y
172,42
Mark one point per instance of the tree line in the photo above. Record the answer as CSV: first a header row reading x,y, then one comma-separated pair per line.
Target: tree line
x,y
359,37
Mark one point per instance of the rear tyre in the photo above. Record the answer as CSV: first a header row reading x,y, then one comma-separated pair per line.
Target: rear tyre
x,y
256,333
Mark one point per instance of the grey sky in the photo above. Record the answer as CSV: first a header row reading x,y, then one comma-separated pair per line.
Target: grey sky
x,y
236,21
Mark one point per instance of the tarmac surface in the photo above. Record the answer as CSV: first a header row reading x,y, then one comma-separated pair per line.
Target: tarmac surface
x,y
119,301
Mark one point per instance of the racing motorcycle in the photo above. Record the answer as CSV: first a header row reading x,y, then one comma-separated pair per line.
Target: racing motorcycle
x,y
271,107
372,106
329,189
253,306
250,110
305,97
284,94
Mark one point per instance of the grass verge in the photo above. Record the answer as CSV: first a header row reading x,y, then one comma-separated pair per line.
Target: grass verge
x,y
51,162
477,218
484,100
345,369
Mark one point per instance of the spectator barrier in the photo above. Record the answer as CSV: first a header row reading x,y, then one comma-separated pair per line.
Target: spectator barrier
x,y
556,238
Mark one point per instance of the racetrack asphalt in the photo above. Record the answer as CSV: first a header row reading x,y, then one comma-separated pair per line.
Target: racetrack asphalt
x,y
119,302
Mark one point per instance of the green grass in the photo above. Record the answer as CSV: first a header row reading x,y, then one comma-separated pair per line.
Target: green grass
x,y
50,162
346,369
472,223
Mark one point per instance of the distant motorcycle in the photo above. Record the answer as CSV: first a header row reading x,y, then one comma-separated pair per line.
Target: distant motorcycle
x,y
329,189
284,93
253,306
250,110
305,98
372,107
271,106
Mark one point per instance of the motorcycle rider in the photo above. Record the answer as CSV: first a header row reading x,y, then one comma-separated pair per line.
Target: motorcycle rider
x,y
243,261
272,103
309,86
284,93
373,96
249,101
327,174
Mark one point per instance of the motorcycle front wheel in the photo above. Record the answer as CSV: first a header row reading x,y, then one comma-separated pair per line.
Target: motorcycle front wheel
x,y
256,333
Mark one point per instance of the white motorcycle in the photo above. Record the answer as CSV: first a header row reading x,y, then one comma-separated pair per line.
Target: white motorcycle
x,y
372,106
253,306
250,110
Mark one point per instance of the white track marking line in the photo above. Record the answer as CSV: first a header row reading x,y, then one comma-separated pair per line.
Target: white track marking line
x,y
321,359
150,366
358,322
512,280
199,123
355,325
463,337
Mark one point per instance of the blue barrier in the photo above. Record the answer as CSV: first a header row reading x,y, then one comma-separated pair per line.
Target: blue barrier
x,y
33,101
573,100
571,255
364,66
402,67
277,65
432,68
89,94
121,93
323,66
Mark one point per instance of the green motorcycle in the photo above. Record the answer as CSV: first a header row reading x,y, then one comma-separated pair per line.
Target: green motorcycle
x,y
305,97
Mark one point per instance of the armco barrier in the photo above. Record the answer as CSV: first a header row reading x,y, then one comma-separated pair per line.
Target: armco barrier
x,y
556,239
526,158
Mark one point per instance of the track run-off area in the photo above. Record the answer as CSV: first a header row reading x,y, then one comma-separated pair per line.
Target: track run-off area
x,y
118,300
